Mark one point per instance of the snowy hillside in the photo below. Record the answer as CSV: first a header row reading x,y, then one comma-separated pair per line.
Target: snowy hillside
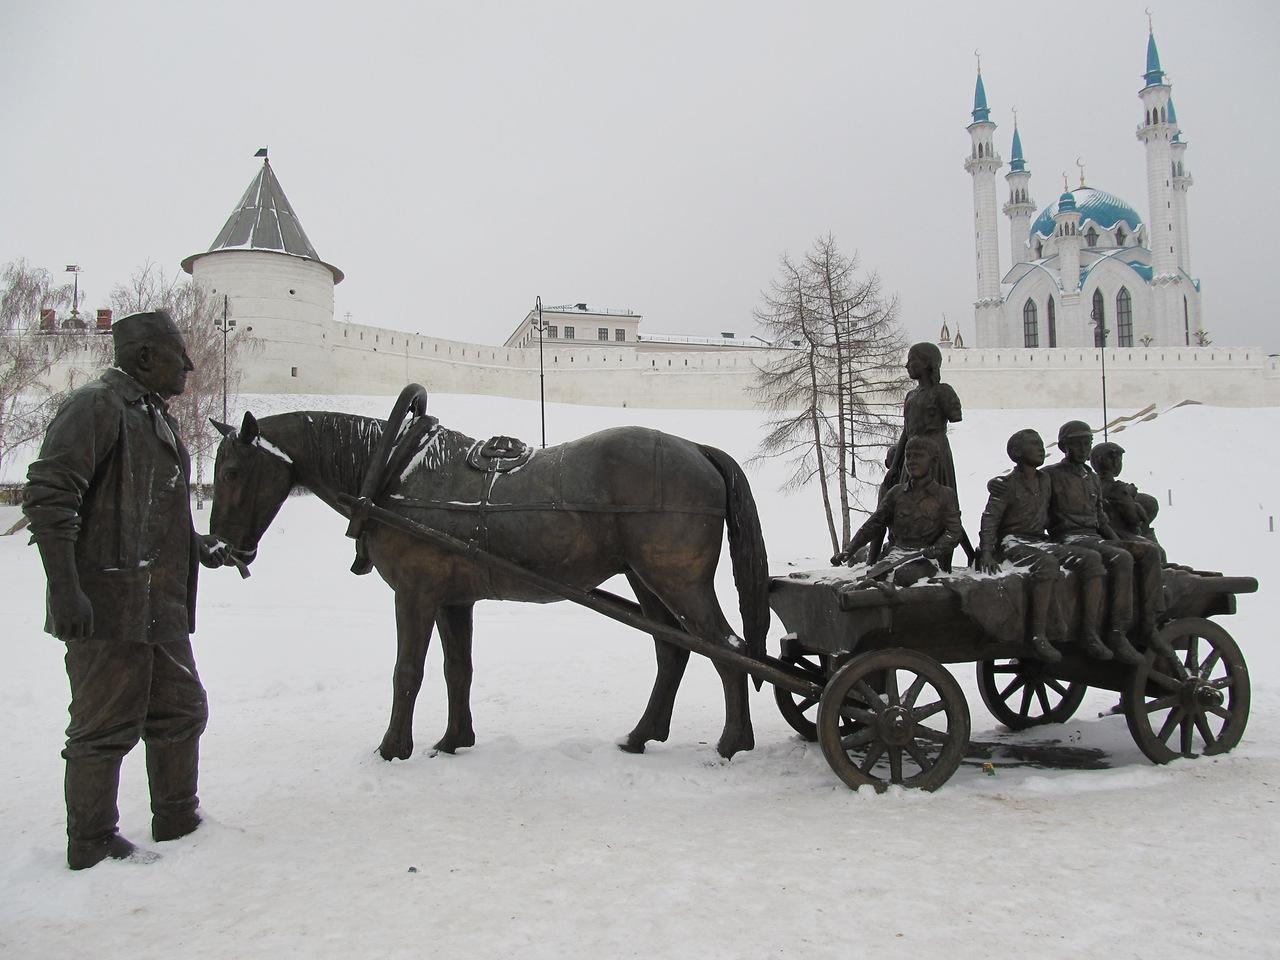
x,y
544,840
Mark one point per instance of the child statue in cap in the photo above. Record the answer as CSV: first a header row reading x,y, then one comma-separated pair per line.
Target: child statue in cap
x,y
1014,528
1077,518
110,512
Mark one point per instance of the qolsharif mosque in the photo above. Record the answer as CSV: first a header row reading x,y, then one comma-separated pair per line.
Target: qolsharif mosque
x,y
1086,263
1035,345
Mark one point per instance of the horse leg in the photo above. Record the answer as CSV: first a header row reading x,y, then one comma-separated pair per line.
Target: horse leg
x,y
655,724
414,616
698,611
454,623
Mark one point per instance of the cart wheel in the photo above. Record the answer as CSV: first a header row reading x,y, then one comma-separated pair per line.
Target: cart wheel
x,y
914,733
1022,693
798,711
1201,696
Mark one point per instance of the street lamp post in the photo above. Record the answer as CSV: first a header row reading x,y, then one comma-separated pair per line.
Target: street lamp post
x,y
74,270
1101,329
542,377
224,323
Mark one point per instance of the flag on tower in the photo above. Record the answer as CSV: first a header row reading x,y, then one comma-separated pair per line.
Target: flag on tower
x,y
262,152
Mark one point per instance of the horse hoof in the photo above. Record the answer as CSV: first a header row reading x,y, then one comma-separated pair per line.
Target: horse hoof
x,y
631,746
728,746
392,751
452,744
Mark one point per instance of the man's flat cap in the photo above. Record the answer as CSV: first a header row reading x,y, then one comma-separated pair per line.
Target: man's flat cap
x,y
1074,428
149,325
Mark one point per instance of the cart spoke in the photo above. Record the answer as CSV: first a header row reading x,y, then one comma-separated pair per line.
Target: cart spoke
x,y
1011,667
1170,723
1219,711
895,764
928,710
937,736
1007,691
1058,688
806,703
913,691
1210,662
1043,697
920,756
1162,703
1027,693
869,696
1202,724
1179,670
859,739
1164,680
858,715
1188,728
1222,683
1193,653
891,687
873,755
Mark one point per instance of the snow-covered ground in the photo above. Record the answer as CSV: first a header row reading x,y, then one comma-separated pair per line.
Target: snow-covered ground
x,y
546,841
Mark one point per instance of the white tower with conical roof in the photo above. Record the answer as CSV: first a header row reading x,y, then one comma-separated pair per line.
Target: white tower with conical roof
x,y
982,164
1181,184
1021,206
274,284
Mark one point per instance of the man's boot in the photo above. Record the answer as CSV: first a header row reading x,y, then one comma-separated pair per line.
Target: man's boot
x,y
92,817
172,771
1091,617
1124,651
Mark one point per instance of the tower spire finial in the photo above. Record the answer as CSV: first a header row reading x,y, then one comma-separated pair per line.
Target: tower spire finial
x,y
1080,164
1065,188
978,55
1150,26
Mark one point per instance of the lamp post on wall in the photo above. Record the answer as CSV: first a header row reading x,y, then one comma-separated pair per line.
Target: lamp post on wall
x,y
1101,332
542,376
74,270
224,324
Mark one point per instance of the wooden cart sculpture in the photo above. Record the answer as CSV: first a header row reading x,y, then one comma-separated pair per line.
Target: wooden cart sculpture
x,y
860,671
889,712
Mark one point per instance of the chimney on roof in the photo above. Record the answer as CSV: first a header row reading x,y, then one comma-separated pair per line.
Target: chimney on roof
x,y
104,320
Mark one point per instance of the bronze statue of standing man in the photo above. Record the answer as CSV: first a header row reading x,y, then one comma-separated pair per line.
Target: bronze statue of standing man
x,y
110,511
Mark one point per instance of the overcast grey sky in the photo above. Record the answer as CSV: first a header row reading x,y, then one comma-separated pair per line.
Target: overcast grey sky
x,y
455,160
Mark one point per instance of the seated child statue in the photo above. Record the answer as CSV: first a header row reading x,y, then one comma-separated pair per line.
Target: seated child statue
x,y
1014,528
1129,511
921,515
1077,518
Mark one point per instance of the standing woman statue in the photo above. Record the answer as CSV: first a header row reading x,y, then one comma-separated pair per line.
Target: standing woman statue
x,y
926,411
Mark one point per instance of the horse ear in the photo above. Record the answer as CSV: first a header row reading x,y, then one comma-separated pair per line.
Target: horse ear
x,y
248,428
221,427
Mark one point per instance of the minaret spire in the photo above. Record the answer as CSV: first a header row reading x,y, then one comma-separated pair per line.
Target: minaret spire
x,y
1020,206
1156,134
982,164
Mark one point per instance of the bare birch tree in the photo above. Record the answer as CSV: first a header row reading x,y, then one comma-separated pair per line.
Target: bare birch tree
x,y
195,313
29,352
836,384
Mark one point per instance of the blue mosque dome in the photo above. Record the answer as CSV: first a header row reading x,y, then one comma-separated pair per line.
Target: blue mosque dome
x,y
1104,209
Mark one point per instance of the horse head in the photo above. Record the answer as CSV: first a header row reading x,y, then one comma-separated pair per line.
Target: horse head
x,y
251,479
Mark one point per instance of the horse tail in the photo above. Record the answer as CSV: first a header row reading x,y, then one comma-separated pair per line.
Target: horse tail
x,y
746,550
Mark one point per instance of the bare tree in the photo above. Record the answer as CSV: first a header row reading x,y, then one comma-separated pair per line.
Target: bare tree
x,y
29,351
194,312
836,387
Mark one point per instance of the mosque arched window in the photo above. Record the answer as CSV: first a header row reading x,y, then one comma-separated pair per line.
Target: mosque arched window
x,y
1099,318
1039,250
1120,236
1030,326
1091,237
1124,318
1163,116
1051,313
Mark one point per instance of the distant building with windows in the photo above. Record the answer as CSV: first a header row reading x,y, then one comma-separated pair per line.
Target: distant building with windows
x,y
1088,256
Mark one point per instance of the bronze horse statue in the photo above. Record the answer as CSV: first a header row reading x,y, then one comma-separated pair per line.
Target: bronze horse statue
x,y
627,500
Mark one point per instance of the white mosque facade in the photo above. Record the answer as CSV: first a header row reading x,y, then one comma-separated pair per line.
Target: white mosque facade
x,y
1086,266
